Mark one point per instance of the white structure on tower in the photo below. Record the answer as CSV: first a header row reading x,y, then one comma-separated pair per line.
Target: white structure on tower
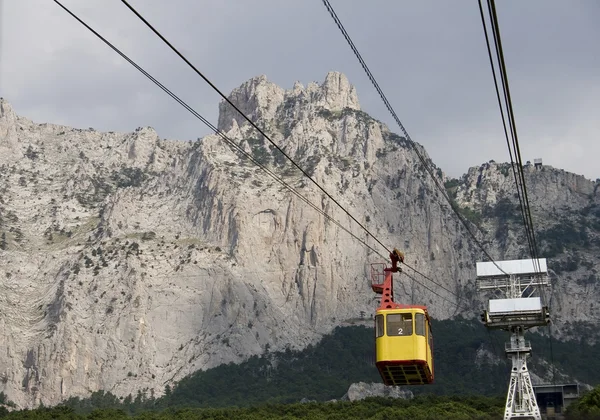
x,y
518,310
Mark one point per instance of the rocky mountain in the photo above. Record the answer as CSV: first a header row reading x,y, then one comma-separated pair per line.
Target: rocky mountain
x,y
128,261
566,214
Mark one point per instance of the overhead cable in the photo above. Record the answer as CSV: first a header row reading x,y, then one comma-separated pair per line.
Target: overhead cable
x,y
516,147
251,122
520,179
513,141
249,156
440,187
217,131
506,135
163,38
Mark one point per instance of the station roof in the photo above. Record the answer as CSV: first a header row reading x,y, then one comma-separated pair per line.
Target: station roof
x,y
489,269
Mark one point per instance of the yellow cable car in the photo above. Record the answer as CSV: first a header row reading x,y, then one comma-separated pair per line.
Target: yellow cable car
x,y
403,338
403,342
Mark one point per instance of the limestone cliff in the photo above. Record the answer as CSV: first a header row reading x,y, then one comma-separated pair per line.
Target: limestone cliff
x,y
128,261
565,209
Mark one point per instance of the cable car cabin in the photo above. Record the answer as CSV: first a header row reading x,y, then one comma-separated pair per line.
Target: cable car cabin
x,y
403,341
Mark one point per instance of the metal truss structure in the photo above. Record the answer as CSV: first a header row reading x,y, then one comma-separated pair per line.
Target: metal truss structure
x,y
518,310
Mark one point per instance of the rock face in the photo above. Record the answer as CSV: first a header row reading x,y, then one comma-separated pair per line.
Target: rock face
x,y
566,214
362,390
128,261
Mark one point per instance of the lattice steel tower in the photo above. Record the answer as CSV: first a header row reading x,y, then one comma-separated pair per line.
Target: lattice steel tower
x,y
519,310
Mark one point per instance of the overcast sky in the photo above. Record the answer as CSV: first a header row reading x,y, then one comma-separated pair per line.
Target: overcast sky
x,y
429,57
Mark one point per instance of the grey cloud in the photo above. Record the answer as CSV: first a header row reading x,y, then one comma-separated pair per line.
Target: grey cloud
x,y
428,56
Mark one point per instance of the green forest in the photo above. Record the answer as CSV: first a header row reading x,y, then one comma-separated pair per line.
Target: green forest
x,y
471,376
420,408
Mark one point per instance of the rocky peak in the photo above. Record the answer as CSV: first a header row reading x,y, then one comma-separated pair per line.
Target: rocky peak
x,y
257,98
298,88
486,184
6,110
311,123
141,146
263,101
336,93
8,118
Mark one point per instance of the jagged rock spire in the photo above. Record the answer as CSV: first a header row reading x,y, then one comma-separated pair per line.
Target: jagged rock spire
x,y
260,99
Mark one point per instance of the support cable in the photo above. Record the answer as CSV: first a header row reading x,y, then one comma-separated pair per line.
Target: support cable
x,y
516,147
508,142
430,279
413,145
520,180
269,139
250,121
250,157
217,131
457,302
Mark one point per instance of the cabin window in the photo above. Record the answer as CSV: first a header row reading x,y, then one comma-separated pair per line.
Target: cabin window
x,y
430,339
420,324
378,325
399,324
